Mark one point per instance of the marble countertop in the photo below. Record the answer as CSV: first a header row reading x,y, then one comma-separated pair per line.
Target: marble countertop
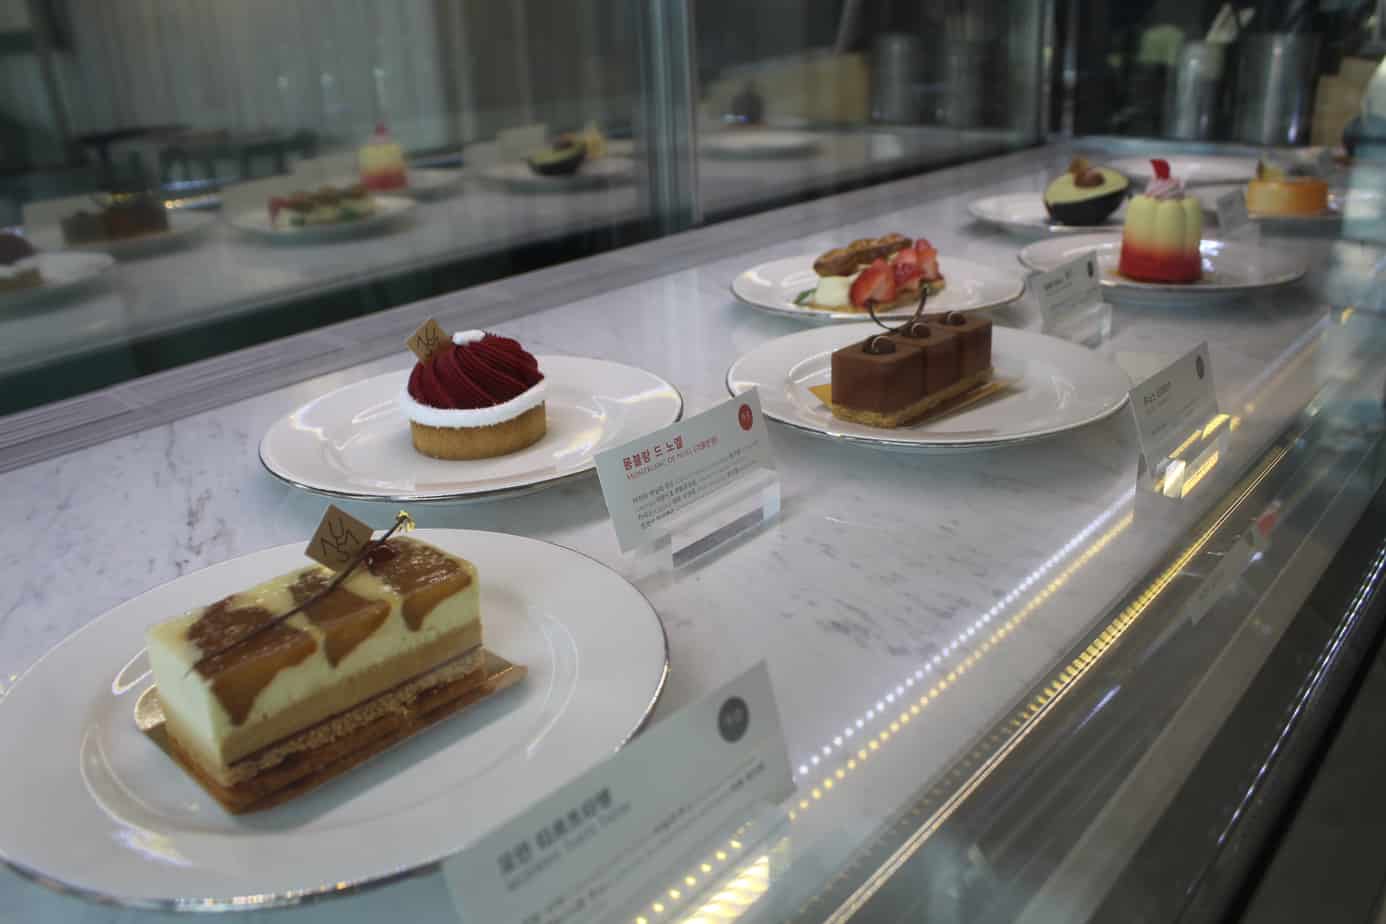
x,y
222,272
882,566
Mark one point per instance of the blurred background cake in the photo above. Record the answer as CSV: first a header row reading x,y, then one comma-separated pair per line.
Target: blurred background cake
x,y
1163,228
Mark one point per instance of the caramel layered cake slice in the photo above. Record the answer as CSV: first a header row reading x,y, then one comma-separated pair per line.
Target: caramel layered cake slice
x,y
889,380
253,701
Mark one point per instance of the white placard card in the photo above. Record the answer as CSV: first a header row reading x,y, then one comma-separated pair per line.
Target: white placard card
x,y
603,844
680,478
1233,218
1174,409
1070,300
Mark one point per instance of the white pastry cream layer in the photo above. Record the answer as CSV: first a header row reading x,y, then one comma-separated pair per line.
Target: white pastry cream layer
x,y
203,722
471,417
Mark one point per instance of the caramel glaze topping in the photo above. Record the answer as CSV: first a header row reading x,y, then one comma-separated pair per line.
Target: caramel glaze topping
x,y
420,574
237,676
345,618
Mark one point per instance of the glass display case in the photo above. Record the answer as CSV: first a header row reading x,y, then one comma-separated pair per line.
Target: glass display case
x,y
1069,546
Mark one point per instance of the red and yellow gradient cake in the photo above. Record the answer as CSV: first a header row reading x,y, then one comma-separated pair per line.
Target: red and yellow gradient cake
x,y
1163,230
481,396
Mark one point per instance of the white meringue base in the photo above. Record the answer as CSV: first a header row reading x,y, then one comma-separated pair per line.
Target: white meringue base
x,y
471,417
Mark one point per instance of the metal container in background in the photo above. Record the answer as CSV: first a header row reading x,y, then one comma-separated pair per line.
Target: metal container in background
x,y
1275,88
895,74
1191,105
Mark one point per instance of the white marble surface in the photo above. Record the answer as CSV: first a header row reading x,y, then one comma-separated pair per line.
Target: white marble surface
x,y
880,567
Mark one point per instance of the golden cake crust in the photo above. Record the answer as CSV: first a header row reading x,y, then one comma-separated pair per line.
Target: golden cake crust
x,y
459,443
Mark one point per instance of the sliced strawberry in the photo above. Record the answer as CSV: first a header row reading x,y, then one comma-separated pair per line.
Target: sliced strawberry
x,y
875,285
907,273
1161,168
928,259
906,256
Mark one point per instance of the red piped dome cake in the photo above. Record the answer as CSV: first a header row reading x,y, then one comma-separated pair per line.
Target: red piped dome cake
x,y
480,397
1162,233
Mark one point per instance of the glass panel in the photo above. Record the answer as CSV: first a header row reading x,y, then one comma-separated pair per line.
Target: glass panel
x,y
800,98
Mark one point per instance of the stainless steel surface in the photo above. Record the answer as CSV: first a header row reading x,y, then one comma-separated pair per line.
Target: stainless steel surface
x,y
1275,88
1191,107
895,75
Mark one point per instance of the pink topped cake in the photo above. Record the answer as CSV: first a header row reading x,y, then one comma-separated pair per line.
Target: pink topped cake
x,y
480,396
1162,233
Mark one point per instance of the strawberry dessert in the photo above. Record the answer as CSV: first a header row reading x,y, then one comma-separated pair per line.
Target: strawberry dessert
x,y
475,398
1163,229
874,273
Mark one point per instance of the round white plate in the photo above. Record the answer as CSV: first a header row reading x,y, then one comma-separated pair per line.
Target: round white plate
x,y
182,226
1025,214
597,174
388,210
751,144
92,806
970,286
1193,169
61,271
354,442
1060,386
1231,270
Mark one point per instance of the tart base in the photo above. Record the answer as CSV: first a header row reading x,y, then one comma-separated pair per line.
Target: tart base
x,y
912,412
459,443
936,286
480,675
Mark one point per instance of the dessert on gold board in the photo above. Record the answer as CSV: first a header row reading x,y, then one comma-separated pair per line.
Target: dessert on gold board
x,y
1276,192
899,377
475,397
1085,194
18,265
882,273
304,674
1160,241
117,217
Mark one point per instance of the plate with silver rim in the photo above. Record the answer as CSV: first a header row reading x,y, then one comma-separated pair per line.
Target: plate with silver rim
x,y
60,272
354,442
970,286
389,210
1025,214
92,807
1231,270
1058,387
183,227
1193,169
516,176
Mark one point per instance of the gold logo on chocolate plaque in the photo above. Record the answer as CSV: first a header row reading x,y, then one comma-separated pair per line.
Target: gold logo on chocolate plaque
x,y
427,339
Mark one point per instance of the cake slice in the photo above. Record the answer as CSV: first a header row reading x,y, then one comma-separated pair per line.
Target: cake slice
x,y
243,694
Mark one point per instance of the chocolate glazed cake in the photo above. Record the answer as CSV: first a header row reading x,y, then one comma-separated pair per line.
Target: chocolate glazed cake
x,y
891,379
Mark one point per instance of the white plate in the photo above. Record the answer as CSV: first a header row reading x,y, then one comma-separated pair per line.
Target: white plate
x,y
596,174
1025,214
388,210
92,806
61,271
970,286
354,442
183,225
1231,270
1194,170
751,144
1061,386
